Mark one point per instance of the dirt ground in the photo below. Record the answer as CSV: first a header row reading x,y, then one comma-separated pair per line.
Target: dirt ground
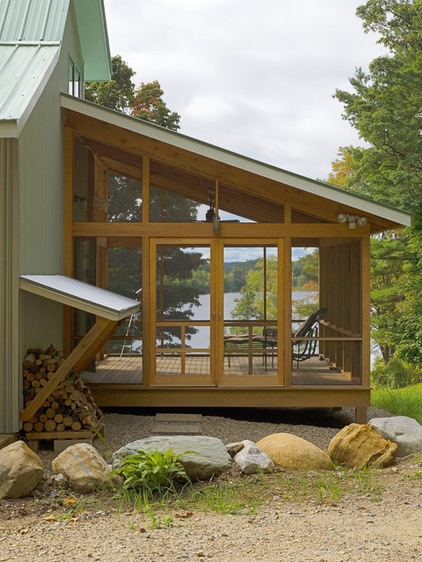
x,y
298,517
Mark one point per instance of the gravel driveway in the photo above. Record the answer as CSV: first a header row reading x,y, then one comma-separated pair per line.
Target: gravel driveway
x,y
354,528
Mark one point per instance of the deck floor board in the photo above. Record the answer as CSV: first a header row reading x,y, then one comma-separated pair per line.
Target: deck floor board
x,y
127,370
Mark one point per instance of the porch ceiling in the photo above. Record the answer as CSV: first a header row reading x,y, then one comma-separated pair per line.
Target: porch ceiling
x,y
248,188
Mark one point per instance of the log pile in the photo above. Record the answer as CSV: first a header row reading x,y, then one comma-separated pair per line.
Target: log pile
x,y
70,407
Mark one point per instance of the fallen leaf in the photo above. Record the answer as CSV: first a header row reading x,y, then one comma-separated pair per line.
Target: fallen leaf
x,y
69,501
184,515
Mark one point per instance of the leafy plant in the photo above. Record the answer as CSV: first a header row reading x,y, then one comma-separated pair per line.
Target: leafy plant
x,y
151,471
395,374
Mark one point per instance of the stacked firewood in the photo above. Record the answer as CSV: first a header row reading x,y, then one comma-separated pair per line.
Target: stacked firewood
x,y
69,407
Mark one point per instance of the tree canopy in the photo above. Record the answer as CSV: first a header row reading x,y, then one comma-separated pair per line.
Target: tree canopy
x,y
385,106
148,104
145,102
117,94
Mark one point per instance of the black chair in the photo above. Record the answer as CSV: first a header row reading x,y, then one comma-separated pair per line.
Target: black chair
x,y
269,343
305,349
301,349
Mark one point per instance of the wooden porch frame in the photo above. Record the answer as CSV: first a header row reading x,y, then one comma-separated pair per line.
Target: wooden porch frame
x,y
293,210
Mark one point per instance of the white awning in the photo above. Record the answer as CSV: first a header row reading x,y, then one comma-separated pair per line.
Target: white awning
x,y
80,295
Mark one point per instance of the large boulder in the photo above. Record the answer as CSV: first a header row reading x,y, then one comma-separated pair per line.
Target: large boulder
x,y
361,445
404,431
83,467
20,470
289,451
251,459
206,456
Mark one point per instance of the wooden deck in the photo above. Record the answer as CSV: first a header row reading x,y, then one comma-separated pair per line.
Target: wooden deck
x,y
117,383
127,370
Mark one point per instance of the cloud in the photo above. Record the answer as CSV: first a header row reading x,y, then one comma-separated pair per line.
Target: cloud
x,y
255,78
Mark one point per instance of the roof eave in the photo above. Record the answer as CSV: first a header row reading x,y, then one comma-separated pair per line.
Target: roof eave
x,y
9,129
395,217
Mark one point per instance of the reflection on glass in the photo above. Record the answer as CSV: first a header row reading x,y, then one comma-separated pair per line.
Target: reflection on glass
x,y
124,199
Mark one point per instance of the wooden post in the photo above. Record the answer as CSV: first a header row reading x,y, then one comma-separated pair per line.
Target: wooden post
x,y
361,414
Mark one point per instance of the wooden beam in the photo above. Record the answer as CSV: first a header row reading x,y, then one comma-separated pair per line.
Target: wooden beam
x,y
77,360
127,396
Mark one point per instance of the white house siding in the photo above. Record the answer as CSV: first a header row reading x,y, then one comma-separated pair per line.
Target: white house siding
x,y
10,386
31,170
41,203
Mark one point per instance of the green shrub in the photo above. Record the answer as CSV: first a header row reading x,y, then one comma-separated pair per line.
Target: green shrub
x,y
395,374
151,471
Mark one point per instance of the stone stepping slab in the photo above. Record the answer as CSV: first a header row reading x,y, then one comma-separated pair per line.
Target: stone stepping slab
x,y
177,424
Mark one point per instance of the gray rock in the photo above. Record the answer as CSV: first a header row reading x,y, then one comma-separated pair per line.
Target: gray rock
x,y
234,448
252,460
20,470
404,431
83,467
209,457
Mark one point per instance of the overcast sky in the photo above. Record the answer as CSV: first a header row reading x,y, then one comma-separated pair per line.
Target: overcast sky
x,y
254,77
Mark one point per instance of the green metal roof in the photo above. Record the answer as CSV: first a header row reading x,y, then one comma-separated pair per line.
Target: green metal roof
x,y
24,72
31,34
35,21
92,27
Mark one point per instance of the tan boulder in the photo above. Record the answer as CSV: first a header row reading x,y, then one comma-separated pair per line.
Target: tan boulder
x,y
360,445
83,467
20,470
290,451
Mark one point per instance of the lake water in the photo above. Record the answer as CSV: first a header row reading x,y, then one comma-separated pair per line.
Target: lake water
x,y
201,338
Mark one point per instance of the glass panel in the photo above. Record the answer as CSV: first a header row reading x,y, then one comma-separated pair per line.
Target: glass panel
x,y
183,310
82,182
250,309
326,316
125,278
124,198
70,78
305,284
84,260
77,83
166,206
74,79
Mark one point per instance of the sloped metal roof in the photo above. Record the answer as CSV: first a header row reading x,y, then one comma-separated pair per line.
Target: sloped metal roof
x,y
24,72
80,295
26,20
31,34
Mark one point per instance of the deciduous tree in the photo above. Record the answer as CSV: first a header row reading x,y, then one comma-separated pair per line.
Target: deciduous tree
x,y
385,106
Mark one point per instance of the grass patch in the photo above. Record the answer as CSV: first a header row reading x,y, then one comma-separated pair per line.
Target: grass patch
x,y
400,401
229,494
246,494
226,498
